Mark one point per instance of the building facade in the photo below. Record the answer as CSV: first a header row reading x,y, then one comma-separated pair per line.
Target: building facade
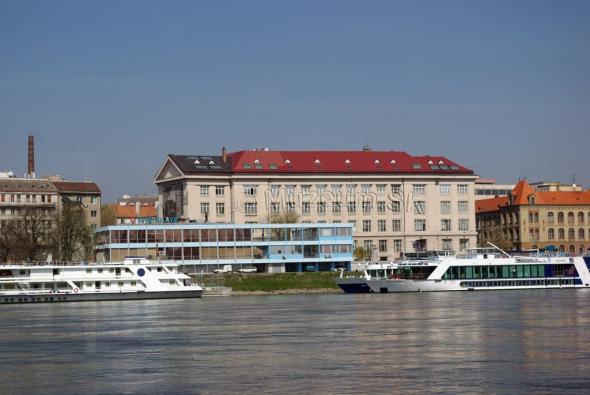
x,y
136,209
204,247
531,219
396,202
85,194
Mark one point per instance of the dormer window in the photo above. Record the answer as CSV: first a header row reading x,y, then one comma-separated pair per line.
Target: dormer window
x,y
532,199
287,162
197,162
430,162
440,162
377,162
256,161
317,162
211,162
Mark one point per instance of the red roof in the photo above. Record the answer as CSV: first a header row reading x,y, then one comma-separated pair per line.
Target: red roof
x,y
130,211
76,187
521,193
261,161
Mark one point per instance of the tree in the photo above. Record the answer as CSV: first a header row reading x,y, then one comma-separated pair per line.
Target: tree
x,y
107,215
362,253
33,232
284,218
9,240
72,237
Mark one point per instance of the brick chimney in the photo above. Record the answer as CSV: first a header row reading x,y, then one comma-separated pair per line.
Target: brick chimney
x,y
31,168
224,154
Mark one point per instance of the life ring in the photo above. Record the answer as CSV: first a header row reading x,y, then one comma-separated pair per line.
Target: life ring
x,y
76,290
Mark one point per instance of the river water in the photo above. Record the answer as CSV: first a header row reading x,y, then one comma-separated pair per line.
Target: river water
x,y
463,342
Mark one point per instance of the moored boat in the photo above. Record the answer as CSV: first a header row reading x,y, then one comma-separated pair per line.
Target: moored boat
x,y
134,278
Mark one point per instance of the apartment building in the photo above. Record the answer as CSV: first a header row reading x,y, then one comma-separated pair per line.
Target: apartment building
x,y
398,203
537,218
21,195
85,194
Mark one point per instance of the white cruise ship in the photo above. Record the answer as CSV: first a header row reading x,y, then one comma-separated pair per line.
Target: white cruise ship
x,y
479,270
134,278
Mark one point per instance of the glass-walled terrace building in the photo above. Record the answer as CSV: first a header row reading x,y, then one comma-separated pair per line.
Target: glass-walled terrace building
x,y
204,247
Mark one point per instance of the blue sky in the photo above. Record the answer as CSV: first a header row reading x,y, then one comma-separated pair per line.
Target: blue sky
x,y
109,88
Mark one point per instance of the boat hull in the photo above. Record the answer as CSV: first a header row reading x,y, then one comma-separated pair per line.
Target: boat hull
x,y
353,285
97,296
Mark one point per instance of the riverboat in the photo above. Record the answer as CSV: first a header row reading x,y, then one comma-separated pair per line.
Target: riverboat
x,y
478,270
134,278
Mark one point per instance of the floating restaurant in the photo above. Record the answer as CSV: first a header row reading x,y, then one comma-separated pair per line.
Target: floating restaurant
x,y
272,248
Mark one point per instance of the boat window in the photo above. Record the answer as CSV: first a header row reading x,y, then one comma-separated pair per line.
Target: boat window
x,y
99,270
88,270
133,283
120,283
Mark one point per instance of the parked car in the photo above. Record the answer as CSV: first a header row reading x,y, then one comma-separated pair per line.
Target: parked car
x,y
248,269
224,269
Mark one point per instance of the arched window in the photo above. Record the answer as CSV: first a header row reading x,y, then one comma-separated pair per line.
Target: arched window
x,y
580,217
570,218
551,234
560,234
536,218
550,217
581,250
562,248
581,235
572,249
560,218
571,234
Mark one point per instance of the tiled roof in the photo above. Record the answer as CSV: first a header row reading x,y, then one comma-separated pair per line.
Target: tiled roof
x,y
340,162
521,193
76,187
130,211
26,185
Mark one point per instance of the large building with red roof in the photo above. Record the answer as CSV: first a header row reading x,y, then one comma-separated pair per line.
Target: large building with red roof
x,y
529,218
399,203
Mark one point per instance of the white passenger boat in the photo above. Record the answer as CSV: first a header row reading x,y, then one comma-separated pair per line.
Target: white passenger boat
x,y
478,270
134,278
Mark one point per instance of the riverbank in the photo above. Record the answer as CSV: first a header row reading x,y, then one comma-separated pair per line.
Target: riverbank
x,y
273,284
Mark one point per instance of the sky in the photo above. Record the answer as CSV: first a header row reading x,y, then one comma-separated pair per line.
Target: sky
x,y
109,88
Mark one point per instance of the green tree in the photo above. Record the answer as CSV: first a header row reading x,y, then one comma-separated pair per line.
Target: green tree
x,y
362,253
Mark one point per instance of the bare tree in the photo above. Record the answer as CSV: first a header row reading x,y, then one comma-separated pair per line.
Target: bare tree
x,y
9,240
72,237
284,218
107,215
34,232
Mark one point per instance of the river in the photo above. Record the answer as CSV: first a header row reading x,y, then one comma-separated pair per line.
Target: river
x,y
535,341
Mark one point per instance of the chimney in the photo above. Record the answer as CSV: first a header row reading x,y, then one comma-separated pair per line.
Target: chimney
x,y
224,155
31,171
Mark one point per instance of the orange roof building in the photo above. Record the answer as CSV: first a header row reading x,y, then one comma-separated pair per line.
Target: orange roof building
x,y
531,219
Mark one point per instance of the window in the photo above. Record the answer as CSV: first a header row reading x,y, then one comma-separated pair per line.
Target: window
x,y
551,234
274,190
419,225
396,189
321,189
570,218
445,207
445,225
306,190
419,207
306,208
366,225
463,225
397,245
571,234
397,225
368,245
447,244
336,190
321,208
250,190
290,207
336,207
381,207
381,225
445,189
419,189
396,207
250,208
350,189
204,190
581,234
351,206
382,245
550,217
93,199
463,244
366,188
463,206
93,213
366,207
580,217
275,208
220,208
219,190
204,208
380,189
289,190
560,234
462,189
